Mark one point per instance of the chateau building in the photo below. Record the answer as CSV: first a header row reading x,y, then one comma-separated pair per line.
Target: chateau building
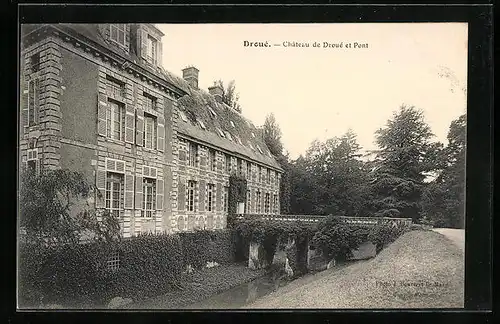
x,y
96,99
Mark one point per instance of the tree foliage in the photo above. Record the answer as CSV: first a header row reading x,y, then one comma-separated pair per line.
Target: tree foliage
x,y
272,135
55,209
404,157
443,199
229,94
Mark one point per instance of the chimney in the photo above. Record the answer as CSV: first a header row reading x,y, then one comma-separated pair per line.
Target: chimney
x,y
216,91
190,74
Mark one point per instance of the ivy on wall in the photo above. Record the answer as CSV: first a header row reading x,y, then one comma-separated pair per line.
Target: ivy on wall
x,y
237,193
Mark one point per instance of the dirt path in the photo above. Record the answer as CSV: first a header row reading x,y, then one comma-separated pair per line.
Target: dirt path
x,y
422,269
457,236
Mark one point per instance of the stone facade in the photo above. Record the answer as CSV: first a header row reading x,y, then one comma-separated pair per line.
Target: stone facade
x,y
91,105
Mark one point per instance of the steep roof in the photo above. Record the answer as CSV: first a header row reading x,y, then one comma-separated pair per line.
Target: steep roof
x,y
240,136
198,105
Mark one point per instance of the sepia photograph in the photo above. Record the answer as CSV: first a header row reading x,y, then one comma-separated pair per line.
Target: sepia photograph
x,y
242,166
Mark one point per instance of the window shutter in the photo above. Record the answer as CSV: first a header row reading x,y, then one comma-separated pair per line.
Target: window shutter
x,y
138,192
129,192
129,124
37,100
159,194
161,134
144,44
219,197
24,106
181,194
139,132
100,183
102,104
160,53
202,195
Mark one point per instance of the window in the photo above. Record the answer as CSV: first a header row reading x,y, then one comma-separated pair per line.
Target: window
x,y
33,101
113,261
114,193
232,124
212,160
35,62
268,176
152,50
183,116
202,125
275,204
259,173
149,102
114,120
149,201
221,133
258,203
266,203
225,199
228,163
210,197
117,33
32,161
240,167
191,189
149,140
247,205
193,153
249,170
114,88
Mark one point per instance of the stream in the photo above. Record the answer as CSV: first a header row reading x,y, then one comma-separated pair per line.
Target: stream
x,y
247,293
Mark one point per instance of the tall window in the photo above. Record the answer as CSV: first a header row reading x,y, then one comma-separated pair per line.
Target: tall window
x,y
275,204
114,193
149,201
32,161
35,62
268,176
247,205
152,50
149,102
225,198
258,203
240,167
149,140
114,120
266,203
259,175
210,197
191,190
117,33
249,170
211,160
193,153
33,101
228,163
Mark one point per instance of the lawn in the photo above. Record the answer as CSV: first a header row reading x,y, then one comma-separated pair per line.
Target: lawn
x,y
199,285
421,269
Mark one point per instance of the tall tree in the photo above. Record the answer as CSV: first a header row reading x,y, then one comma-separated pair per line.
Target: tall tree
x,y
330,179
443,200
404,156
272,135
229,94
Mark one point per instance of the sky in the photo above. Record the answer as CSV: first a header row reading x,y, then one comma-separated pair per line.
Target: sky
x,y
321,92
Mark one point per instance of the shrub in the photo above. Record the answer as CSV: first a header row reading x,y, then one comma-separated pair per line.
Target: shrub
x,y
383,235
204,246
76,275
336,239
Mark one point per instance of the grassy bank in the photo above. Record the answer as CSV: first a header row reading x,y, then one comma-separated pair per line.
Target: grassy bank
x,y
422,269
199,285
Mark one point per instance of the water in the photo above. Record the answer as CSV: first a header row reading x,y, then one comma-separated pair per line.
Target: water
x,y
241,295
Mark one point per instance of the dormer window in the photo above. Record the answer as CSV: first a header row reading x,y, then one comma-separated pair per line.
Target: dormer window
x,y
152,54
117,33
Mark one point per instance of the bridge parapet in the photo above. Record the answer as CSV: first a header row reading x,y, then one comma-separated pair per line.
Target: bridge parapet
x,y
369,221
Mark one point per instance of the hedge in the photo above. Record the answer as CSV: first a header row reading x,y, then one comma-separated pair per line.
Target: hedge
x,y
78,275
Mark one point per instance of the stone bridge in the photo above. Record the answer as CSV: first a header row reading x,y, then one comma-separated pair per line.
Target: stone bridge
x,y
315,261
